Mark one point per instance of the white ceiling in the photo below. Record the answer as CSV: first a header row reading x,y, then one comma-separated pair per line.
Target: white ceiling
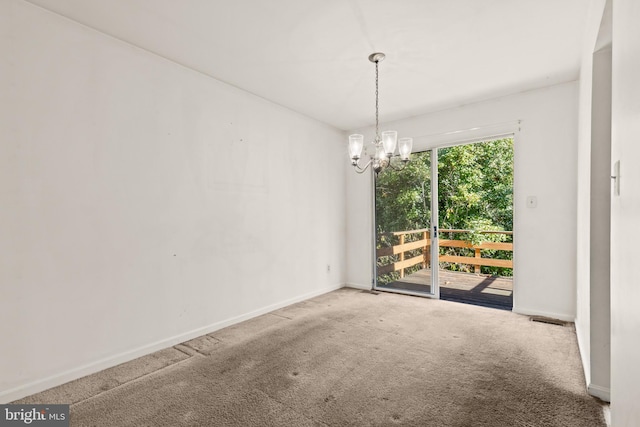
x,y
311,55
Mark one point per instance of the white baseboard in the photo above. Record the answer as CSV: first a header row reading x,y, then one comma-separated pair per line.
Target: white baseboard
x,y
534,312
37,386
602,393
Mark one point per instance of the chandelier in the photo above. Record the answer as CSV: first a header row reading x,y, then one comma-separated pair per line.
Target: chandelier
x,y
383,148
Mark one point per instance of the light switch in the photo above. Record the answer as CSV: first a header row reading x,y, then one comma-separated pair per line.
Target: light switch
x,y
616,178
532,201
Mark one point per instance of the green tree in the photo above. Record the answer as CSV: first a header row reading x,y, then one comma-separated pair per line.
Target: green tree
x,y
475,185
403,198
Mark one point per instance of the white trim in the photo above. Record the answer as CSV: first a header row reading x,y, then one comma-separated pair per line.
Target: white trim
x,y
374,234
586,363
532,312
434,225
602,393
466,136
404,292
108,362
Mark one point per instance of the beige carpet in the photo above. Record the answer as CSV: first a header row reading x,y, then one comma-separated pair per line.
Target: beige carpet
x,y
350,358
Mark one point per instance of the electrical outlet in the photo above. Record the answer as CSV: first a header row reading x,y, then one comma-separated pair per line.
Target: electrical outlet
x,y
328,268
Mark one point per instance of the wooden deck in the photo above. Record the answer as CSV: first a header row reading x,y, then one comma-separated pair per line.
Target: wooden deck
x,y
469,288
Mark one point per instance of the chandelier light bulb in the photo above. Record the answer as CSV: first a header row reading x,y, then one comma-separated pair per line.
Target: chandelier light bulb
x,y
356,142
389,139
404,148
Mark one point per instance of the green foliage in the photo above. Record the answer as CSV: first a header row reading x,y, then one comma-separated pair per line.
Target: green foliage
x,y
403,198
475,192
476,185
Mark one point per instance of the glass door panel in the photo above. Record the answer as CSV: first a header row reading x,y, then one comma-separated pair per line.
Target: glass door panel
x,y
404,233
475,214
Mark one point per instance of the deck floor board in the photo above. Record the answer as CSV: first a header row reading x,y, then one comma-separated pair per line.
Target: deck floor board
x,y
469,288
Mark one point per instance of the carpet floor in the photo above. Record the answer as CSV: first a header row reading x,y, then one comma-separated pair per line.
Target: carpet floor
x,y
350,358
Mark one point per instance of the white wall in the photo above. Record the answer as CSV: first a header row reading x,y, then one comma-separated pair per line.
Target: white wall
x,y
545,167
625,217
600,224
583,218
593,209
144,203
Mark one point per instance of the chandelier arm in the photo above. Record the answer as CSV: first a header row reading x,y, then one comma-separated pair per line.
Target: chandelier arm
x,y
359,169
391,166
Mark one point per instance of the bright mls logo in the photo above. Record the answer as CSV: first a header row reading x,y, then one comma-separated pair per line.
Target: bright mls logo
x,y
34,415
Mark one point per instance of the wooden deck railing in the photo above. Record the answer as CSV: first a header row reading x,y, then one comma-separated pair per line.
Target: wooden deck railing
x,y
423,241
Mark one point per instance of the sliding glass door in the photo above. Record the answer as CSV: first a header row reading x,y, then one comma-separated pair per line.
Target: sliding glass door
x,y
406,240
444,224
475,184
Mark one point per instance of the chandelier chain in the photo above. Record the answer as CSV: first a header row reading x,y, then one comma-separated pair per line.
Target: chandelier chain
x,y
377,129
